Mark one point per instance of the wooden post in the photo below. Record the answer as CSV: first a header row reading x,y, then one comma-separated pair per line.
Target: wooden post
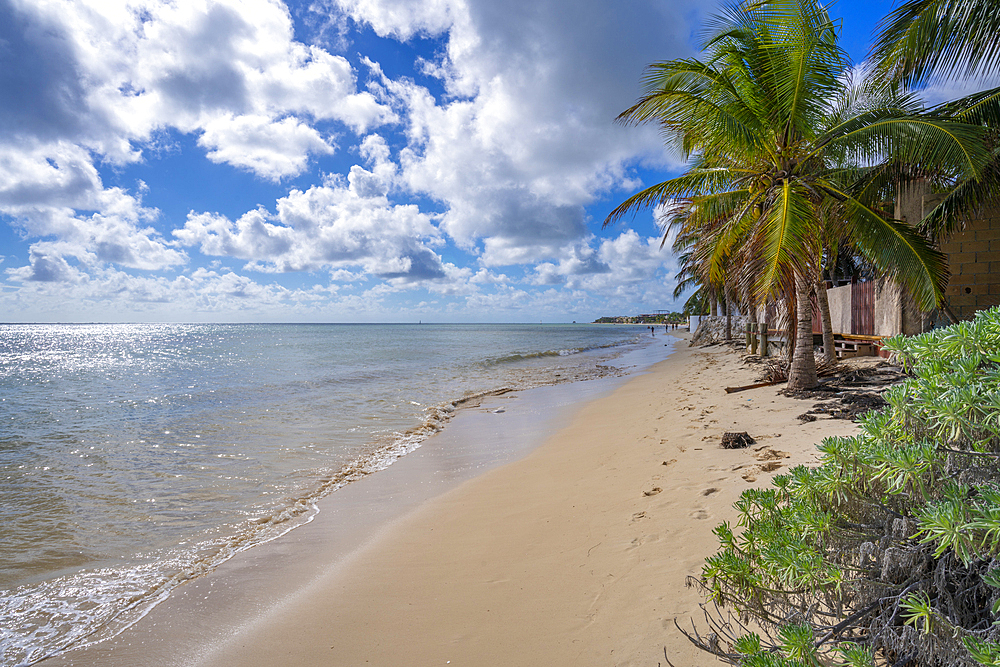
x,y
763,339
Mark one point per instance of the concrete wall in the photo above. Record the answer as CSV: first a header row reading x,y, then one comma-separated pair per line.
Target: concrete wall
x,y
888,308
974,261
840,308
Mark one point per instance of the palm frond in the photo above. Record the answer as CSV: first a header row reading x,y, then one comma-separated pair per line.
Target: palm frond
x,y
925,38
899,252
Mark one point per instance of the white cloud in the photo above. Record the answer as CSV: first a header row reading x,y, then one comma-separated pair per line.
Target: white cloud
x,y
528,139
106,76
403,19
51,174
332,226
615,266
946,90
271,149
86,82
53,190
501,166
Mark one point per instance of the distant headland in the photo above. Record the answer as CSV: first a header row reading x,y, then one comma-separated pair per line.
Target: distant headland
x,y
658,317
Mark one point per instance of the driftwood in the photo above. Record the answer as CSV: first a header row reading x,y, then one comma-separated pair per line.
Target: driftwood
x,y
730,390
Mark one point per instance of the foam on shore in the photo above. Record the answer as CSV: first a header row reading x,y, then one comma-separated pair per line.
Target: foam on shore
x,y
576,552
484,430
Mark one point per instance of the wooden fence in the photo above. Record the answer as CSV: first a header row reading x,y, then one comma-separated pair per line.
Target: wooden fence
x,y
863,308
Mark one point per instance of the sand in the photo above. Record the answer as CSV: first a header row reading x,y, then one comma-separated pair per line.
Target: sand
x,y
576,554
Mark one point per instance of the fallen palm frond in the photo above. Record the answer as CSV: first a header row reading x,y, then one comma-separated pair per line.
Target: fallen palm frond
x,y
776,370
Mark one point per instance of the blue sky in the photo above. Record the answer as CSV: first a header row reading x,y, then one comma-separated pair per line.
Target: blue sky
x,y
335,160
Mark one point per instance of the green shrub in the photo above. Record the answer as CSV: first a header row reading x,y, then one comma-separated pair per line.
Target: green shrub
x,y
887,551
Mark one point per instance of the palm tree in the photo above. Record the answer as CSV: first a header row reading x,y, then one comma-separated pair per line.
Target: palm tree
x,y
773,131
924,40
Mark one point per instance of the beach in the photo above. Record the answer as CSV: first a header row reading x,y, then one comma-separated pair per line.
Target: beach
x,y
574,552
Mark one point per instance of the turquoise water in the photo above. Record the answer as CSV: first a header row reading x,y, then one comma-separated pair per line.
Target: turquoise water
x,y
134,457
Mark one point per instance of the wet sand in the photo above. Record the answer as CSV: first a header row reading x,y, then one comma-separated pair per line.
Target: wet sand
x,y
575,553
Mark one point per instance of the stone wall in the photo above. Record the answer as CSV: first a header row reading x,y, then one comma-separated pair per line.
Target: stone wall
x,y
712,329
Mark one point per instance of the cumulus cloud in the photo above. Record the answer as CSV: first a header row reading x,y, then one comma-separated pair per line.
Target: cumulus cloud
x,y
107,76
337,226
450,188
261,145
53,190
524,141
612,266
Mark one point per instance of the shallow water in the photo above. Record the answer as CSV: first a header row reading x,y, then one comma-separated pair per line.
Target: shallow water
x,y
133,457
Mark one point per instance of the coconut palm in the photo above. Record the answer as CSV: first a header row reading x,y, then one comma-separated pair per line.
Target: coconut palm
x,y
774,130
926,40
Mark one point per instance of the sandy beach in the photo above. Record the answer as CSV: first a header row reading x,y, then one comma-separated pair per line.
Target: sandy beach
x,y
574,554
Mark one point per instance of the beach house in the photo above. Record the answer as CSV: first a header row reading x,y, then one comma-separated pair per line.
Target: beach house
x,y
882,308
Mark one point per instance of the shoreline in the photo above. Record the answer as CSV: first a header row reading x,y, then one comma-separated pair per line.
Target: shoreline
x,y
208,607
575,553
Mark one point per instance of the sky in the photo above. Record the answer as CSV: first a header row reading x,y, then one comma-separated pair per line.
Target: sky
x,y
336,160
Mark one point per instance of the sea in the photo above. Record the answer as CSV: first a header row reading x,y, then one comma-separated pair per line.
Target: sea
x,y
134,457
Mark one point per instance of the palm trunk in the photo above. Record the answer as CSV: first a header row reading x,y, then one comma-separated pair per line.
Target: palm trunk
x,y
714,303
829,353
729,316
802,373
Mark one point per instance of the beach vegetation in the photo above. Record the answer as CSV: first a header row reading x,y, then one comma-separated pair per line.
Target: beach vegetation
x,y
888,551
784,138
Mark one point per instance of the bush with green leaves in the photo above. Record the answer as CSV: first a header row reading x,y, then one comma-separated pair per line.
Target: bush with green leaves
x,y
888,552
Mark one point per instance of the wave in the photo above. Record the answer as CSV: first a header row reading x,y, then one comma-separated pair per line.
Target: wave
x,y
525,356
81,609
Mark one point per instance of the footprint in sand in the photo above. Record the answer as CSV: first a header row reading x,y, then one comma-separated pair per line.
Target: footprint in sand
x,y
638,516
652,492
669,463
709,491
771,455
749,477
770,466
699,514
